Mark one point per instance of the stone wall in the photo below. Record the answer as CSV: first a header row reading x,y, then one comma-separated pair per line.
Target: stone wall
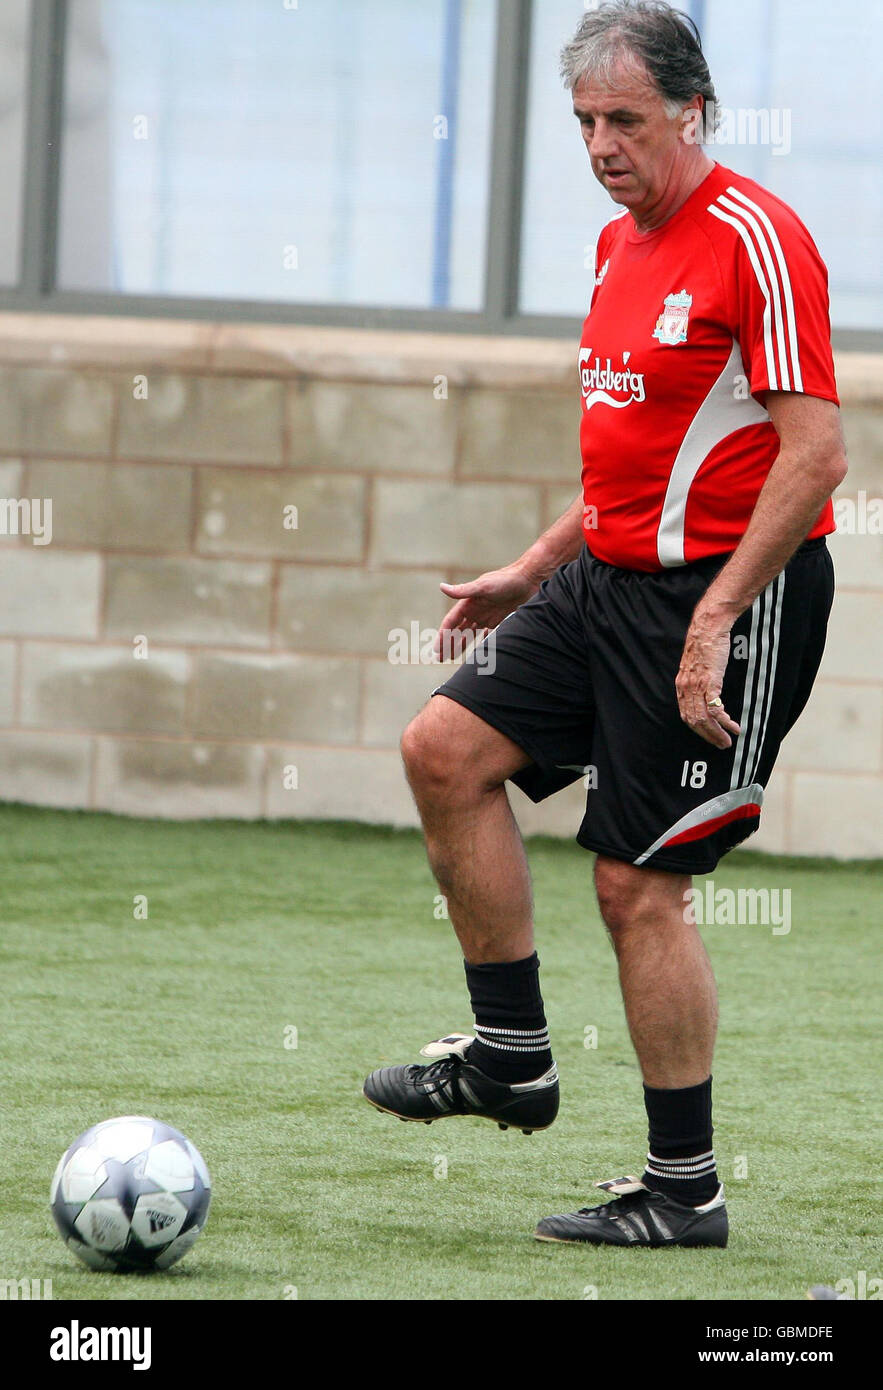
x,y
181,649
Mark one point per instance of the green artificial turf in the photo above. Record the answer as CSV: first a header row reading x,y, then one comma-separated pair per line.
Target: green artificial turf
x,y
253,929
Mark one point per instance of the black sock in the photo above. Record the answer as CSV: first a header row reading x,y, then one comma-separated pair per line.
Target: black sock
x,y
511,1037
681,1160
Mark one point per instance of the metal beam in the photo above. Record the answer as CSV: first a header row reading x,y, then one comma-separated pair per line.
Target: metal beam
x,y
45,114
696,11
507,162
334,316
446,170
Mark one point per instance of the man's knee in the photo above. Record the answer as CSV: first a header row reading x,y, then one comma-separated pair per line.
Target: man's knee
x,y
422,750
630,897
448,751
435,753
619,893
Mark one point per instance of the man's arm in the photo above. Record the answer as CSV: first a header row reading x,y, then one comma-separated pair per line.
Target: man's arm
x,y
486,601
561,543
810,465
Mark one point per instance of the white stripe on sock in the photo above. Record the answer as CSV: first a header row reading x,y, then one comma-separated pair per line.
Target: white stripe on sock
x,y
515,1032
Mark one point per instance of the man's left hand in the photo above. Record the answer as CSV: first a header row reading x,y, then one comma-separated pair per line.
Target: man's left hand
x,y
701,677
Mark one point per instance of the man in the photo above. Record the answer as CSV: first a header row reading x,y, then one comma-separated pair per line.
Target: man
x,y
665,633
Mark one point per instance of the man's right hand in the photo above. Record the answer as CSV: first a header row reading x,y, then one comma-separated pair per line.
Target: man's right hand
x,y
483,603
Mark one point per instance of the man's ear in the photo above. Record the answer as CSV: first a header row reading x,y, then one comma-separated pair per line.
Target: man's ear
x,y
693,114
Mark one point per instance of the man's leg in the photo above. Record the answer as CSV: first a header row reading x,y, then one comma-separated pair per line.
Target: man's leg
x,y
457,766
666,978
671,1007
670,1002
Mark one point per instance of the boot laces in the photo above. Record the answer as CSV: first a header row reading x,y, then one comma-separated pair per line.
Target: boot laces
x,y
434,1076
617,1207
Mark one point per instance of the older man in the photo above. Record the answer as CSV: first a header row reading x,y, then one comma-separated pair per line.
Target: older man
x,y
664,634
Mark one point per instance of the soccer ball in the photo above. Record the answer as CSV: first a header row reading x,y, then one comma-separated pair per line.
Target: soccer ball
x,y
130,1194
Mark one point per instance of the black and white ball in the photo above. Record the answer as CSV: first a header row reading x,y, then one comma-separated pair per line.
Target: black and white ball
x,y
130,1194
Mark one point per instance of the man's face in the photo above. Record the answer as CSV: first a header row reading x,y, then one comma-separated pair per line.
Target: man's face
x,y
631,139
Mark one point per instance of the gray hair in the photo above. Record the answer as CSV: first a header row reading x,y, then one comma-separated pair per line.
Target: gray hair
x,y
663,40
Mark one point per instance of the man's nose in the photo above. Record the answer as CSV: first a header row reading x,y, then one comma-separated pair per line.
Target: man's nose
x,y
602,142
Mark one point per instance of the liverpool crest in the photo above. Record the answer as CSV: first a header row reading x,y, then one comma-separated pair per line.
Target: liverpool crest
x,y
671,326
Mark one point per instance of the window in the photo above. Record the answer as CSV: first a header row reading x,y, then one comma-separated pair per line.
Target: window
x,y
816,68
315,153
564,205
392,163
798,88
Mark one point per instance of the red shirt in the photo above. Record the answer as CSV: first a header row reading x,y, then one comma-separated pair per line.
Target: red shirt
x,y
690,325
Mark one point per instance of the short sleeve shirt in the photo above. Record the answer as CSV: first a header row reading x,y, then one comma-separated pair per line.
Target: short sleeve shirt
x,y
690,325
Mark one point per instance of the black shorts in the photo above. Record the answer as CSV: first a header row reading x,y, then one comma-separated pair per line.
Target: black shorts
x,y
582,678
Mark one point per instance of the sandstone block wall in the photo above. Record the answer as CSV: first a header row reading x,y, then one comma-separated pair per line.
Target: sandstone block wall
x,y
242,514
